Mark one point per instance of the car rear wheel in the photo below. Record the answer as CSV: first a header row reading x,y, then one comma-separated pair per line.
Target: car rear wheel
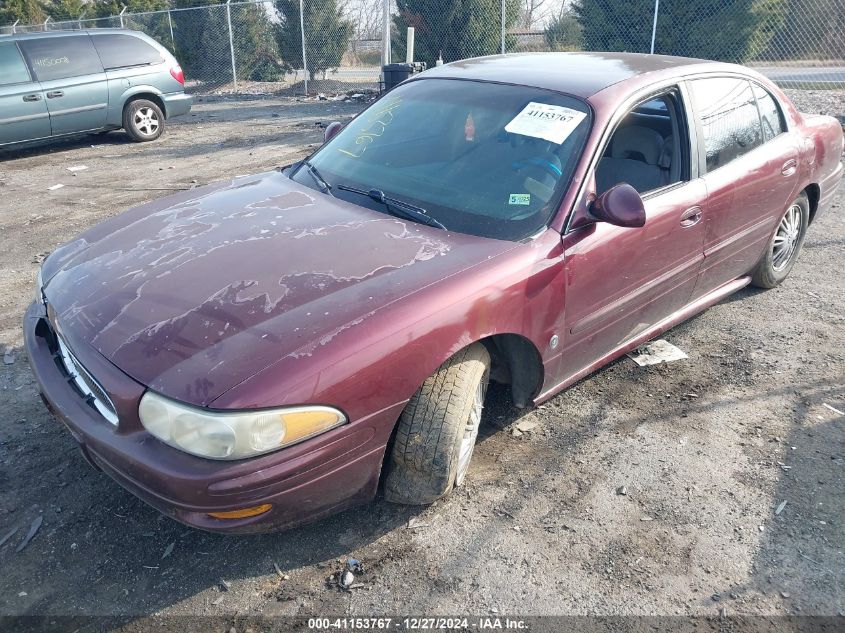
x,y
785,245
143,120
437,430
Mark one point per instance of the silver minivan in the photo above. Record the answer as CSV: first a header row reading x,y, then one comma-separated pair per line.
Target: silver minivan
x,y
61,83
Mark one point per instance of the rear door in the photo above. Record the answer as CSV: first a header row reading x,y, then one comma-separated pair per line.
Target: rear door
x,y
72,79
750,165
23,109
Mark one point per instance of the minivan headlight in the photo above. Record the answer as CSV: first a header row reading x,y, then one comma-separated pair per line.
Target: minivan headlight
x,y
232,435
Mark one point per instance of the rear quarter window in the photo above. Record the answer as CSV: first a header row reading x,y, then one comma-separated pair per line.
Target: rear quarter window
x,y
12,68
120,51
61,57
770,113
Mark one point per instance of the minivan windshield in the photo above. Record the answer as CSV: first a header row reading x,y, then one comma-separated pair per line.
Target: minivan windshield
x,y
481,158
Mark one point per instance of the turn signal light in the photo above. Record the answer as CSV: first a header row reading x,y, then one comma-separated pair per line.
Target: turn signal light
x,y
242,513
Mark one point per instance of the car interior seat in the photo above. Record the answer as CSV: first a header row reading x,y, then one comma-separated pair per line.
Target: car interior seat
x,y
635,154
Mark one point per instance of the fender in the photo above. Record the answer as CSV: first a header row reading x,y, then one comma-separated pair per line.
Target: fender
x,y
123,92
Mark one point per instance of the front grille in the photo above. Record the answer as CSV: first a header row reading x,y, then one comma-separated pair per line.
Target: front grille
x,y
85,383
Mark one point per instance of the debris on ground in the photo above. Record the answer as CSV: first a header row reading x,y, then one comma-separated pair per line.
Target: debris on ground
x,y
656,352
75,168
346,577
8,535
224,586
526,426
834,409
416,523
54,187
622,490
780,507
281,574
9,357
33,529
168,550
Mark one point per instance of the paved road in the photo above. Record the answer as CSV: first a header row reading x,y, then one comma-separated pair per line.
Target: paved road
x,y
828,75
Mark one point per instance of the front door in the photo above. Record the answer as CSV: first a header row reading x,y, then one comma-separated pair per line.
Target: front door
x,y
23,108
620,282
72,78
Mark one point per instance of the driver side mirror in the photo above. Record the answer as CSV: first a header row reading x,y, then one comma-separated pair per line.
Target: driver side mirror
x,y
620,205
331,130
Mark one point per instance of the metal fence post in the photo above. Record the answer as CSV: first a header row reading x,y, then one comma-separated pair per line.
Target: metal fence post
x,y
170,22
15,25
79,19
385,53
302,31
231,43
121,16
503,26
44,26
654,25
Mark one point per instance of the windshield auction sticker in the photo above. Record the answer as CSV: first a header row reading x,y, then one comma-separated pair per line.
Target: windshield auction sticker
x,y
549,122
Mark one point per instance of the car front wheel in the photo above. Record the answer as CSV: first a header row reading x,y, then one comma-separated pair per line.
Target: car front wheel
x,y
784,246
437,430
143,120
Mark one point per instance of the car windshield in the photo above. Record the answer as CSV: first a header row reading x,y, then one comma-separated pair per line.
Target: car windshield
x,y
480,158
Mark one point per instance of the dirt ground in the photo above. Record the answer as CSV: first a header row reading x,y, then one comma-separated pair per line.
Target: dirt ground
x,y
707,449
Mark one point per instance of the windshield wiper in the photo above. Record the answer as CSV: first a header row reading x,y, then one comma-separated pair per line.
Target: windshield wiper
x,y
324,186
397,207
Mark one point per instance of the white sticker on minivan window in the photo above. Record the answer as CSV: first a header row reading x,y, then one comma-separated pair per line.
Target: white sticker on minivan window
x,y
549,122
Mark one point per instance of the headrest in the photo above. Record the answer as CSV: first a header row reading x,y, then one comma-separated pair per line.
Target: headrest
x,y
637,143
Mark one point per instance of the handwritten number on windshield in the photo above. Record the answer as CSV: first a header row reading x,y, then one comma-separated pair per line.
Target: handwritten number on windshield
x,y
374,128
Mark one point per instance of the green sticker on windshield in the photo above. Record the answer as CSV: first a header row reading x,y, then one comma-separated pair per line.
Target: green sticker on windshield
x,y
520,198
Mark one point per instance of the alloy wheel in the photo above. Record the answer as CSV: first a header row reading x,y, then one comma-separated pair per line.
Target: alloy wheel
x,y
786,238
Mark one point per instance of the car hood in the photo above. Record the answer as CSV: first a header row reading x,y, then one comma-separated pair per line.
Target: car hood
x,y
193,294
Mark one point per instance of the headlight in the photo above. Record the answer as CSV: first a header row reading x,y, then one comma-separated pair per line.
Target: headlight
x,y
235,435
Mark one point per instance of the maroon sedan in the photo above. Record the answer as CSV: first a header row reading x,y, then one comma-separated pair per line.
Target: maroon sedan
x,y
266,350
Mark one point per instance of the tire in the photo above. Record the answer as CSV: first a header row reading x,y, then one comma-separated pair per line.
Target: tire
x,y
143,120
784,246
438,429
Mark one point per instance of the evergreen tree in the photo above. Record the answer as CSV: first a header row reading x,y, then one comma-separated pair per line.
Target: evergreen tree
x,y
732,31
202,42
459,29
564,33
327,34
24,11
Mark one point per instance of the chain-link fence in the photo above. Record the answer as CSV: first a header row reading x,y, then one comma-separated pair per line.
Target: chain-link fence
x,y
340,45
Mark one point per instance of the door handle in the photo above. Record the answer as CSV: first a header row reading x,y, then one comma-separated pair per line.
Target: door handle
x,y
789,167
55,94
33,97
691,217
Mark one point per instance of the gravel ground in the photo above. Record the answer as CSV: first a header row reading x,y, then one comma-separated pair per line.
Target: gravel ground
x,y
707,449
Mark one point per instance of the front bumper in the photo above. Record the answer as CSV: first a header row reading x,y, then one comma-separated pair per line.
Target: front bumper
x,y
177,104
318,477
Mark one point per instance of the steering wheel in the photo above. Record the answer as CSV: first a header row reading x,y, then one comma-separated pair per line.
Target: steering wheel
x,y
543,163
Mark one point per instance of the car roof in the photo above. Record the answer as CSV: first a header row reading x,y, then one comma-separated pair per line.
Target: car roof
x,y
41,34
581,74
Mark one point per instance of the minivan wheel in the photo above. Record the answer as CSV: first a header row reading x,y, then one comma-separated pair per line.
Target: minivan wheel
x,y
785,245
437,430
143,120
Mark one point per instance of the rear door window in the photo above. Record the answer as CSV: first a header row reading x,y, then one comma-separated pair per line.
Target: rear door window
x,y
12,68
120,51
61,57
770,113
729,118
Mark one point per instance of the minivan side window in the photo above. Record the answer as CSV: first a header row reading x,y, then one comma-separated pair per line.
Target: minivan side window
x,y
729,118
120,51
12,68
61,57
770,113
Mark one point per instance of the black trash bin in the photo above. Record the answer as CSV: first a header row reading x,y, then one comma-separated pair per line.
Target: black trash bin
x,y
397,73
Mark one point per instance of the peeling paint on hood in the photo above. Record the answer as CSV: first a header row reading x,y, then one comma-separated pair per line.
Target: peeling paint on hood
x,y
193,294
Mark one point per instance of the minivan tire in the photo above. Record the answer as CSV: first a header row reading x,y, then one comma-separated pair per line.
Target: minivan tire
x,y
438,427
789,234
143,120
